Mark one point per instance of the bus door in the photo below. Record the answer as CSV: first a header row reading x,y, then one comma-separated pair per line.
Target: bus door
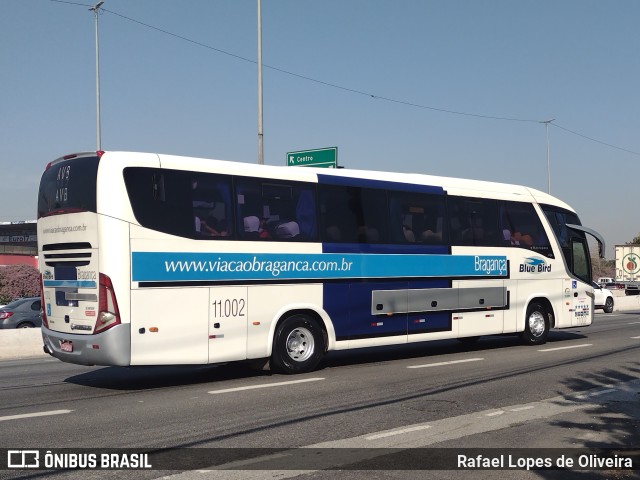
x,y
580,290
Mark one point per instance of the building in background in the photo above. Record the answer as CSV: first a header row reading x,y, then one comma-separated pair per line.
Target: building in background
x,y
18,243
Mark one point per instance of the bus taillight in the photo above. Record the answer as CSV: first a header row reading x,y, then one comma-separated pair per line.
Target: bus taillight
x,y
43,310
108,313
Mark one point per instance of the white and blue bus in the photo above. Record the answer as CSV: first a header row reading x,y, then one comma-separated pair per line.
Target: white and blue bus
x,y
151,259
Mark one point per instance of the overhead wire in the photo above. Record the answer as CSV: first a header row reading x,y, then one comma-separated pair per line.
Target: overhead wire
x,y
321,82
351,90
595,140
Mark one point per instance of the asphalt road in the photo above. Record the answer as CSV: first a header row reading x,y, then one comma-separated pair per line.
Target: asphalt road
x,y
580,390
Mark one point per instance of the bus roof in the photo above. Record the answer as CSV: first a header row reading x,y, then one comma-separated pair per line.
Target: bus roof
x,y
456,186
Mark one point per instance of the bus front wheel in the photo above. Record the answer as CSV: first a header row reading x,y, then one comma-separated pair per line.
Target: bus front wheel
x,y
298,345
536,325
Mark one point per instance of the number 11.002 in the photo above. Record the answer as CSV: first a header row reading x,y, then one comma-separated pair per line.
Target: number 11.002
x,y
230,307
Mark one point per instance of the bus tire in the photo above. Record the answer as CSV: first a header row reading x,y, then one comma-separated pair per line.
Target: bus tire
x,y
536,325
298,345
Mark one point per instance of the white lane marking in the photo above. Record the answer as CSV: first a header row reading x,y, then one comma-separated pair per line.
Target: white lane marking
x,y
495,414
521,409
264,385
635,338
596,393
566,348
398,432
35,414
440,364
359,448
634,323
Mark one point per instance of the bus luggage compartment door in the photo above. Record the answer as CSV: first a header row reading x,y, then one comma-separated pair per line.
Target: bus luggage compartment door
x,y
169,326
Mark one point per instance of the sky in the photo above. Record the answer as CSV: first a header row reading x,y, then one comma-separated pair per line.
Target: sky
x,y
456,88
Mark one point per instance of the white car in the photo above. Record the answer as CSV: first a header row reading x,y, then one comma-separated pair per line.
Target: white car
x,y
603,298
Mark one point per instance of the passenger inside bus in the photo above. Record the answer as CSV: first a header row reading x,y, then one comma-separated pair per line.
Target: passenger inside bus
x,y
214,227
408,233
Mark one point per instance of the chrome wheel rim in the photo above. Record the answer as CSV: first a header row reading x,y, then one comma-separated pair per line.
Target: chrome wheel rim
x,y
536,324
300,344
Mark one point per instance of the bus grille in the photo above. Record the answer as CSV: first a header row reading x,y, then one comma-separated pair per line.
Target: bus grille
x,y
76,254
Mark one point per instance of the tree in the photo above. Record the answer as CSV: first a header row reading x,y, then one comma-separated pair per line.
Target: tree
x,y
18,281
635,241
602,268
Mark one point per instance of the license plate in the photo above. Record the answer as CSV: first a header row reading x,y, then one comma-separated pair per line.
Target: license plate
x,y
66,346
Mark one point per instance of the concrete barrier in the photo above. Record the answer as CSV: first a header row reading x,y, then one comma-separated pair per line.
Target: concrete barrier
x,y
21,343
27,342
622,302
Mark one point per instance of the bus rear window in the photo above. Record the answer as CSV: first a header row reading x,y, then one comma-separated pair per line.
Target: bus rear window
x,y
68,186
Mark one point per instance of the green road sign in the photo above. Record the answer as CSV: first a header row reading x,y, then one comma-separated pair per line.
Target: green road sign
x,y
320,157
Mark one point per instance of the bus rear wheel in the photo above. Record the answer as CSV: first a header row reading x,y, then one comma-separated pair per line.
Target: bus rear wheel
x,y
536,325
298,345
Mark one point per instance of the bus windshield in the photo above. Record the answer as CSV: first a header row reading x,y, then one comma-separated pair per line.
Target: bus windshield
x,y
68,185
573,243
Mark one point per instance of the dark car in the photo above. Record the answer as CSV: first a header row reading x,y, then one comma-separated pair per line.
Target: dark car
x,y
21,313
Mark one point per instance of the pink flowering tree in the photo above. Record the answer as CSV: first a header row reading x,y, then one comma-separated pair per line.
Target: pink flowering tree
x,y
18,281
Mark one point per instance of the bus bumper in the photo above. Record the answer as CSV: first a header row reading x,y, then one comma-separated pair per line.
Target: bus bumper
x,y
112,347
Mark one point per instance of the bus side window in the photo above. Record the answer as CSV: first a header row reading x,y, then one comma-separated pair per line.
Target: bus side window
x,y
160,200
275,210
211,201
416,218
521,227
338,220
474,221
353,214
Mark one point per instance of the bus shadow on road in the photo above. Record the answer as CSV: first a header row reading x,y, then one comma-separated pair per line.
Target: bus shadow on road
x,y
436,348
156,377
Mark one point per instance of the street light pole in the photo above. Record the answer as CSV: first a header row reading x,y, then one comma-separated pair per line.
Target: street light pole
x,y
95,9
546,127
260,134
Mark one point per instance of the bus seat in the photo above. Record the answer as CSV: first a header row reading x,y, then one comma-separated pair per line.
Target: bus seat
x,y
251,224
372,235
333,233
408,234
288,230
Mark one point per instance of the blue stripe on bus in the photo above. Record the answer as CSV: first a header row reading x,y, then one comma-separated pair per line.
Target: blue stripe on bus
x,y
70,283
173,266
368,183
387,249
